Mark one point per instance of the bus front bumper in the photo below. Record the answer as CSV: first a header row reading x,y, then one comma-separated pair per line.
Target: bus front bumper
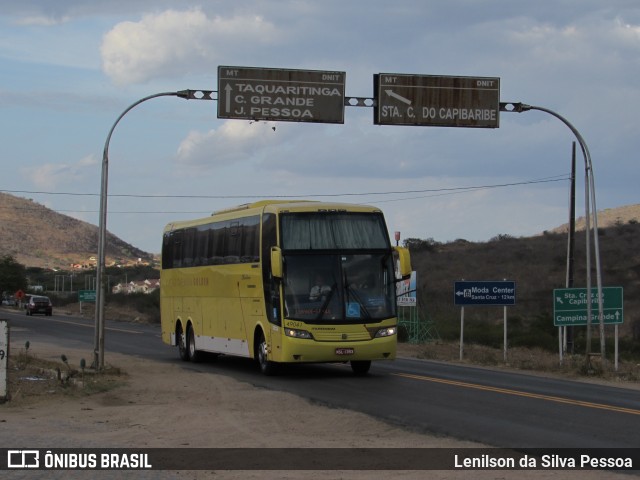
x,y
310,351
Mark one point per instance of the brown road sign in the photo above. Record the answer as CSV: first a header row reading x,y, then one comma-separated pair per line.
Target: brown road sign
x,y
281,95
431,100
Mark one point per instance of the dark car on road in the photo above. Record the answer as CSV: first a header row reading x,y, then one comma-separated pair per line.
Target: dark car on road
x,y
39,304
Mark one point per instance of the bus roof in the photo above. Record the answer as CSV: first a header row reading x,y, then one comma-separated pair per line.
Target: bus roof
x,y
273,206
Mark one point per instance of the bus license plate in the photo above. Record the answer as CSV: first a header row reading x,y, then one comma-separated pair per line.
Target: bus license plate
x,y
345,351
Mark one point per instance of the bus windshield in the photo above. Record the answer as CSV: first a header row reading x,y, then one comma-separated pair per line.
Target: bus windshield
x,y
339,288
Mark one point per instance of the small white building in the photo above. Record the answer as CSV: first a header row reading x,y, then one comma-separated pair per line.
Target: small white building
x,y
143,286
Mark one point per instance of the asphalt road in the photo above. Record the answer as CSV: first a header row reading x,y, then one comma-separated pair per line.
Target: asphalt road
x,y
496,408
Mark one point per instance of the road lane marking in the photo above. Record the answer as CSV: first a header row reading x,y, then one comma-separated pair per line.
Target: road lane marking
x,y
507,391
92,326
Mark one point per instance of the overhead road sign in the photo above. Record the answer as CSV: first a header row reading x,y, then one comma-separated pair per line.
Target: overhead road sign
x,y
431,100
570,306
484,293
281,94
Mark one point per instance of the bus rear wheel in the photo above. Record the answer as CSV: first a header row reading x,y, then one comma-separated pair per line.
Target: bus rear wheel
x,y
182,344
360,367
267,367
194,355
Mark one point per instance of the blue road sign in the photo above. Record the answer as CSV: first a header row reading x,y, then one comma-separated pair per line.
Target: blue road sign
x,y
484,293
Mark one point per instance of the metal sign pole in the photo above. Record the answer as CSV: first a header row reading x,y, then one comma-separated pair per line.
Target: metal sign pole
x,y
505,334
101,277
4,360
590,194
461,332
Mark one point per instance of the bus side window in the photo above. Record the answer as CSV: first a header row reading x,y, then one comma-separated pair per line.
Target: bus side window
x,y
176,253
188,247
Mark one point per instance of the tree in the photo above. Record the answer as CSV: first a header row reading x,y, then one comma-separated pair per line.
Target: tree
x,y
418,244
13,275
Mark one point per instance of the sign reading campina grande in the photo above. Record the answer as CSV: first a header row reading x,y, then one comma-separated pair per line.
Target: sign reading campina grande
x,y
570,306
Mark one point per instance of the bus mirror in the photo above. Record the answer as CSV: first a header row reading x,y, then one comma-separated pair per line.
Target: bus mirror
x,y
276,262
404,262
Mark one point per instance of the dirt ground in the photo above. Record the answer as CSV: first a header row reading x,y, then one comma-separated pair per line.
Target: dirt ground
x,y
155,404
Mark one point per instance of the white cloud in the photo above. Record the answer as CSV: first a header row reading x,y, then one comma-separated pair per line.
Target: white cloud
x,y
50,175
176,43
40,21
234,142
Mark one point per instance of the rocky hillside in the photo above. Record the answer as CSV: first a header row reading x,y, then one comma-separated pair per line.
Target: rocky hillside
x,y
609,217
538,265
39,237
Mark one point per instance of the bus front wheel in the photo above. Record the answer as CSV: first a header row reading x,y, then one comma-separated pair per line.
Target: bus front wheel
x,y
267,367
360,367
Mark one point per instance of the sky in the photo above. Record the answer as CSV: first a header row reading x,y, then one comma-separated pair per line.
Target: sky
x,y
70,68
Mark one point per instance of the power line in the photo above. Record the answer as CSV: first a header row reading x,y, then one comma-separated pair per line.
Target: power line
x,y
473,189
33,209
556,178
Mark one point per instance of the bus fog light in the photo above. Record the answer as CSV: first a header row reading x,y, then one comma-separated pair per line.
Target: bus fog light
x,y
386,332
292,332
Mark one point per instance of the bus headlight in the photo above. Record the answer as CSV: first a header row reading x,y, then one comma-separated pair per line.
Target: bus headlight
x,y
292,332
386,332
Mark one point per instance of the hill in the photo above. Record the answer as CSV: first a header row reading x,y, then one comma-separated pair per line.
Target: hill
x,y
537,265
39,237
607,218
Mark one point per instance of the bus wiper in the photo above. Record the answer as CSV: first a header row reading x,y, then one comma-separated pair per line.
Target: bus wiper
x,y
351,293
326,301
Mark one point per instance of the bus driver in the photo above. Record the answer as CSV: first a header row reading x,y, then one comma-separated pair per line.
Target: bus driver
x,y
319,289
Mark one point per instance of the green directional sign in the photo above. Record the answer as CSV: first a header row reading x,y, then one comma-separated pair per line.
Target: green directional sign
x,y
570,306
87,296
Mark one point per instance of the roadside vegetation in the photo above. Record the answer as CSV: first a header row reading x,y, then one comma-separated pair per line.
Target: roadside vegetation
x,y
31,377
537,265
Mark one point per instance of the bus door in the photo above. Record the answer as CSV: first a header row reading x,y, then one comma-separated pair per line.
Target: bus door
x,y
251,301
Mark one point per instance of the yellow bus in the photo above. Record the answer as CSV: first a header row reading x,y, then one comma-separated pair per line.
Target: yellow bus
x,y
283,282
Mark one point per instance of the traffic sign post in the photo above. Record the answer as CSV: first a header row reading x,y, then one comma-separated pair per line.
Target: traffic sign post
x,y
281,94
441,101
570,306
488,293
87,296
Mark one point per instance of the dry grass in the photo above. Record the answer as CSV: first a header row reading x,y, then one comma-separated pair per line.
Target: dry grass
x,y
31,378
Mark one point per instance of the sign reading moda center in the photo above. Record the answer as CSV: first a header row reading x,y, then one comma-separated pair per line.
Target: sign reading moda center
x,y
441,101
484,293
281,95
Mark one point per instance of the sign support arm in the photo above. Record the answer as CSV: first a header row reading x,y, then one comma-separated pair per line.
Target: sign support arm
x,y
589,185
101,284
